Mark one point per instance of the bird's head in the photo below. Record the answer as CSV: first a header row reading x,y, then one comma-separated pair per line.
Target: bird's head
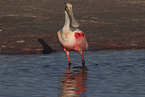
x,y
68,7
69,10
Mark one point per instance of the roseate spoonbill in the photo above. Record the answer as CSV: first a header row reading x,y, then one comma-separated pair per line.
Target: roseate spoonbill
x,y
70,37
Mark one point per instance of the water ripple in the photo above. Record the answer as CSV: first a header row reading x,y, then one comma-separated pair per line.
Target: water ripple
x,y
107,73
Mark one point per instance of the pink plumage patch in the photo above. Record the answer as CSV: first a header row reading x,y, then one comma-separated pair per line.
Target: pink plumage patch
x,y
79,35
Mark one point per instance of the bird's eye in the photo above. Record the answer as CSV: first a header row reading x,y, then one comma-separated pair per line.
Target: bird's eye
x,y
66,7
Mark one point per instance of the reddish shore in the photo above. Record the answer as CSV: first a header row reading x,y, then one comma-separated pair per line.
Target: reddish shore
x,y
28,27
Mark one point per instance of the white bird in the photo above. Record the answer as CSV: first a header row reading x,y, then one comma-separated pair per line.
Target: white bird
x,y
70,37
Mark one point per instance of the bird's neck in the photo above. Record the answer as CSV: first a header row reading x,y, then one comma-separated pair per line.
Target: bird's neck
x,y
67,24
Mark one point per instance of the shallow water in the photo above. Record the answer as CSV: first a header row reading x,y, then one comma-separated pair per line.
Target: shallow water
x,y
106,74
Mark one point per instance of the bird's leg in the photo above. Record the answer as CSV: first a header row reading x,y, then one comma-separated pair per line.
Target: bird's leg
x,y
83,61
68,68
67,53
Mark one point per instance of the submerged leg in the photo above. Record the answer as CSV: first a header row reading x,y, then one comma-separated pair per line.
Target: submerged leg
x,y
67,53
83,61
68,68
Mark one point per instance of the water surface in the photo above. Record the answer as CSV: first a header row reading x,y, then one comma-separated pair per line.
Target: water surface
x,y
106,74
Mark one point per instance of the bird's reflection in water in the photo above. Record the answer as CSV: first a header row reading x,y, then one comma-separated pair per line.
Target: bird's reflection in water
x,y
73,83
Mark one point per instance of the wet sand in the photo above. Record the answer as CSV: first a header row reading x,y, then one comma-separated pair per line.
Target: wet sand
x,y
108,24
